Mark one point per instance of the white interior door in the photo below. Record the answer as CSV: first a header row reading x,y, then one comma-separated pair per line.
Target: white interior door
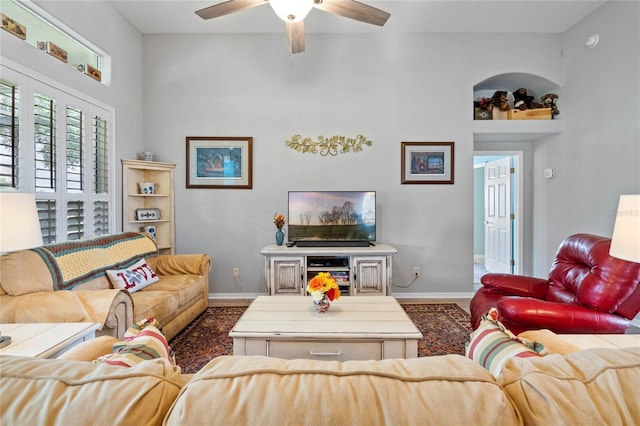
x,y
497,216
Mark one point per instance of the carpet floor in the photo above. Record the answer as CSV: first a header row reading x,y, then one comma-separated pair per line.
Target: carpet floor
x,y
445,327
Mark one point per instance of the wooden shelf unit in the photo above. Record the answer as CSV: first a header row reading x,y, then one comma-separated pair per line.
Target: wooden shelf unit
x,y
163,175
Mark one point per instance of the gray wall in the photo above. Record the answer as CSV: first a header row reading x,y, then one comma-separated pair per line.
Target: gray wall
x,y
597,157
409,87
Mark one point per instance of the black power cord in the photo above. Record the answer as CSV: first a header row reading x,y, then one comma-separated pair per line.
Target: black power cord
x,y
406,286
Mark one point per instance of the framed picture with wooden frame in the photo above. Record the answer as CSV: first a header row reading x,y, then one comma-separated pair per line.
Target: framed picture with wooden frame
x,y
427,162
219,162
14,27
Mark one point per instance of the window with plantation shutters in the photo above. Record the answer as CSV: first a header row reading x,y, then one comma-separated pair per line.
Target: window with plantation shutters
x,y
75,220
57,144
9,134
44,135
75,150
100,155
47,215
100,217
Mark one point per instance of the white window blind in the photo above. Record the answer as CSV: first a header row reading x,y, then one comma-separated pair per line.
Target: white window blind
x,y
44,135
47,214
9,134
100,155
100,217
75,149
75,220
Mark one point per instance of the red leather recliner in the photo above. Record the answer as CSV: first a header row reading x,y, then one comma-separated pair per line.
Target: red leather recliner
x,y
587,291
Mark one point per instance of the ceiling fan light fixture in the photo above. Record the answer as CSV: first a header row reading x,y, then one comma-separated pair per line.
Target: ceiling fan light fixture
x,y
291,10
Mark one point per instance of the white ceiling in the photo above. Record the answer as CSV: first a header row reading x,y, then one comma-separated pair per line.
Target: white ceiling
x,y
474,16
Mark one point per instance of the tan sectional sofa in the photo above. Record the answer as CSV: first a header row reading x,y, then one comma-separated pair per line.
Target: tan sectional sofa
x,y
590,387
67,283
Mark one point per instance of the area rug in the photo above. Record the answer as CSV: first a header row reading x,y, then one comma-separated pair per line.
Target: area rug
x,y
445,327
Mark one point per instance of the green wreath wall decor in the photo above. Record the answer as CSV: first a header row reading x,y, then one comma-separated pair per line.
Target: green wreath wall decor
x,y
328,146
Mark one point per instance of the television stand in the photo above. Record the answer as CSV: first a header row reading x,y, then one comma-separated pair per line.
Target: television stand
x,y
358,270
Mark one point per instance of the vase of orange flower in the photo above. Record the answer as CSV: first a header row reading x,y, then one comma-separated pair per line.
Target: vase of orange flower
x,y
323,290
279,221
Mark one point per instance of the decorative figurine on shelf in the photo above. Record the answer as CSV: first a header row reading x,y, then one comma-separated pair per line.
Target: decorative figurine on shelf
x,y
550,101
279,221
485,103
500,104
482,109
521,100
499,100
150,230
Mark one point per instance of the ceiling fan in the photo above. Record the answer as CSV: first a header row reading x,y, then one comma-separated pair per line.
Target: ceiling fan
x,y
293,12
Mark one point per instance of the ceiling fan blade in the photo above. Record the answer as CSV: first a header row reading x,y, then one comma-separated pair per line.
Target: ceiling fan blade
x,y
228,7
295,34
354,10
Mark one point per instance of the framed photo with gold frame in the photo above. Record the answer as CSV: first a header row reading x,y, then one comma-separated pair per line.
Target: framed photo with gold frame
x,y
427,162
219,162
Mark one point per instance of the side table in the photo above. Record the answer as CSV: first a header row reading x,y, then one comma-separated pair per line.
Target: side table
x,y
46,340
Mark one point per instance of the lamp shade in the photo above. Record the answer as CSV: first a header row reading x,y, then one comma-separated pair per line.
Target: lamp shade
x,y
291,10
625,242
19,224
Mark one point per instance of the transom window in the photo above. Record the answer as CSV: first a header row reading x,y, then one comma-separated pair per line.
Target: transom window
x,y
42,26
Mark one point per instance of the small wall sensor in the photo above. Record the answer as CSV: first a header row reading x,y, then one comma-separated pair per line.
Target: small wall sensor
x,y
548,173
592,41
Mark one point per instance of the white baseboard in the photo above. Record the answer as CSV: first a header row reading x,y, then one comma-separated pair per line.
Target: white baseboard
x,y
234,296
399,296
451,295
478,258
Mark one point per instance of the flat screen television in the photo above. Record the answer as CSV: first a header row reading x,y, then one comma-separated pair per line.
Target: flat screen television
x,y
332,218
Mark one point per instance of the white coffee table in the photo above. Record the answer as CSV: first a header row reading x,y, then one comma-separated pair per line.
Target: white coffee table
x,y
354,328
46,340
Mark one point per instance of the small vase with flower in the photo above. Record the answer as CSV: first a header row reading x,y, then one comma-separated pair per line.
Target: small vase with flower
x,y
279,221
323,290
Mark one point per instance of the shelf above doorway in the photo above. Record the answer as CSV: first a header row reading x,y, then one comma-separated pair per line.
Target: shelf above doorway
x,y
515,130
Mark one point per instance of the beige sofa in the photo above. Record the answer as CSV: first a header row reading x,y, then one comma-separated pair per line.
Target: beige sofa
x,y
67,283
590,387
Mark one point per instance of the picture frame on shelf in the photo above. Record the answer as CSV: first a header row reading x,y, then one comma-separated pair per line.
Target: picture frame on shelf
x,y
14,27
147,214
427,163
53,50
91,71
219,162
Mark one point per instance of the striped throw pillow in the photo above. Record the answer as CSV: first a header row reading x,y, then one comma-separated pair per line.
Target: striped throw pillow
x,y
142,342
491,344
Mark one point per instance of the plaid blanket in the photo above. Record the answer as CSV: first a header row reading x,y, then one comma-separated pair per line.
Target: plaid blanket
x,y
75,262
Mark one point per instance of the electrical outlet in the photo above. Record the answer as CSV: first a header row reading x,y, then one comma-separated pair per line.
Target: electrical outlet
x,y
236,272
416,271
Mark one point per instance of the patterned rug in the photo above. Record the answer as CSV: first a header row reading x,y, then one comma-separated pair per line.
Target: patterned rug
x,y
445,327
